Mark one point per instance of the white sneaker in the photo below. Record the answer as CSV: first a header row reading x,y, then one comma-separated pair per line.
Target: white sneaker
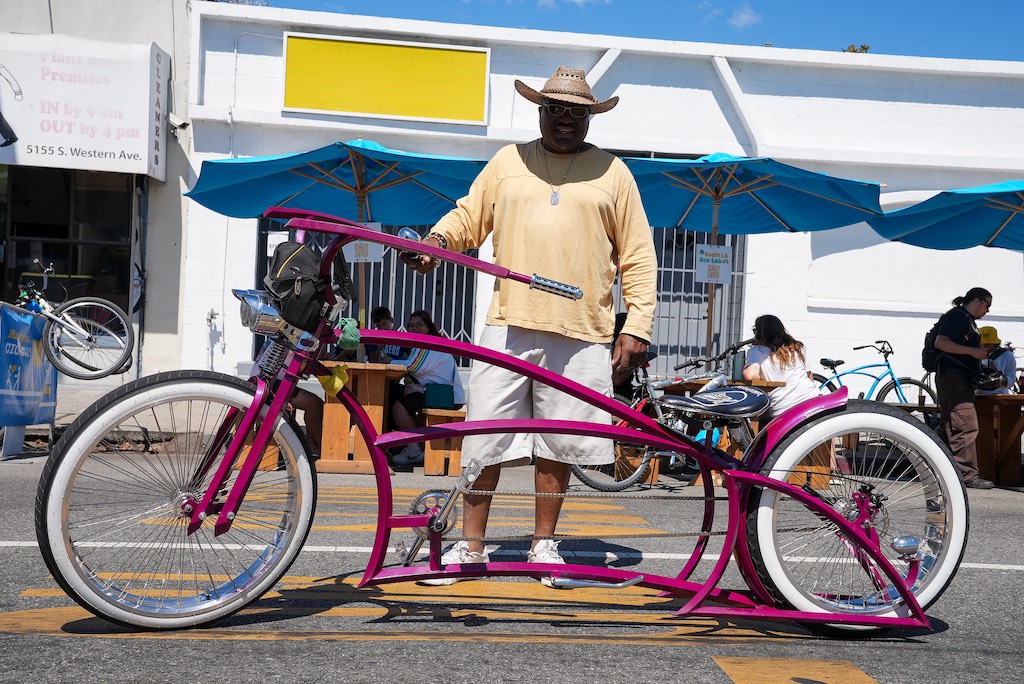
x,y
410,455
546,551
457,555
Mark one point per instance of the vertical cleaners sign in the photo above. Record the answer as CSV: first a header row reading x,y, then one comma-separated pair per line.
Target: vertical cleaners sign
x,y
73,103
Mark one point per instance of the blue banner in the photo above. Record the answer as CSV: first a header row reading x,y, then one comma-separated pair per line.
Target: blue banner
x,y
28,391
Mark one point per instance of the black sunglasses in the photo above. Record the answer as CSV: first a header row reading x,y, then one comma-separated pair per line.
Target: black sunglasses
x,y
560,110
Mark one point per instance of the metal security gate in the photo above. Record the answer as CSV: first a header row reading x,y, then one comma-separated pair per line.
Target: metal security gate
x,y
680,323
449,294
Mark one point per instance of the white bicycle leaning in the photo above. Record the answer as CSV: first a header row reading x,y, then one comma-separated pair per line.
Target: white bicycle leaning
x,y
86,337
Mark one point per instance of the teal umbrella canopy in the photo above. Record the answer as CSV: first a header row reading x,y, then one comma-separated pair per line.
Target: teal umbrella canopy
x,y
988,215
359,180
721,193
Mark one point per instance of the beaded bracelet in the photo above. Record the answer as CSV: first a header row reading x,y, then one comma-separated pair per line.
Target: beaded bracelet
x,y
442,241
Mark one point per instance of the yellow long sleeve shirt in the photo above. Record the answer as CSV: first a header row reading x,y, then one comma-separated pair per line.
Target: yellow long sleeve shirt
x,y
597,227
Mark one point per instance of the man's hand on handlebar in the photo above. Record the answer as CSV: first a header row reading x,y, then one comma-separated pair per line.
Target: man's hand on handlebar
x,y
629,353
421,263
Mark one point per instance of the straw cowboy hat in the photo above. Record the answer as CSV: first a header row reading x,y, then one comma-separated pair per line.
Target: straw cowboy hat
x,y
569,86
989,335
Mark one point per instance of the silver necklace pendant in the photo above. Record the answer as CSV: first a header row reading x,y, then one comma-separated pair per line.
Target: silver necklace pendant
x,y
554,197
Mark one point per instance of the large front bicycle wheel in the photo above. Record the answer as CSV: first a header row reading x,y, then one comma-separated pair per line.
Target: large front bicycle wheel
x,y
914,392
91,338
631,465
914,490
111,515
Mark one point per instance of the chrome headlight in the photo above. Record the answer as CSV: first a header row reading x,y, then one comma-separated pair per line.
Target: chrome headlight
x,y
259,313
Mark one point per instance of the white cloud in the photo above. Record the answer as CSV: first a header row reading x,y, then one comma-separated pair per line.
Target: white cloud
x,y
707,10
553,4
743,17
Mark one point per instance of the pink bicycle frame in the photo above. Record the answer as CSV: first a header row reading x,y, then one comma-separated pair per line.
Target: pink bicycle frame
x,y
740,478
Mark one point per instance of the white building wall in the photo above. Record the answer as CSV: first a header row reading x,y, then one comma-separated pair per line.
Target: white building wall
x,y
914,124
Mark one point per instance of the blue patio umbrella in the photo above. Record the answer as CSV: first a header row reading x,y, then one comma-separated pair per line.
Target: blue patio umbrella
x,y
359,180
722,193
989,215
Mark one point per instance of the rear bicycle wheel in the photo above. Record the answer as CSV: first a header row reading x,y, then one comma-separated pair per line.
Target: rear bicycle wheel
x,y
110,508
914,392
630,467
91,339
825,385
915,490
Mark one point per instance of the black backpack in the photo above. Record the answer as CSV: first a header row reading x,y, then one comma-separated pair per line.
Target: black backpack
x,y
929,354
294,281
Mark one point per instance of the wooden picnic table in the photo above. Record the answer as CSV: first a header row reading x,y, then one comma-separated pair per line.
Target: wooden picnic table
x,y
1000,426
343,449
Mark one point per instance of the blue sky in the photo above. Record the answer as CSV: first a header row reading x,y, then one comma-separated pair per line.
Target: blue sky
x,y
985,29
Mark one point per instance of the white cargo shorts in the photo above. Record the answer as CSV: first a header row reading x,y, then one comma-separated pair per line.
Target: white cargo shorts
x,y
495,393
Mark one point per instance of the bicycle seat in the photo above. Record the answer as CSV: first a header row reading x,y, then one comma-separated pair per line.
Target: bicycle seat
x,y
737,401
829,363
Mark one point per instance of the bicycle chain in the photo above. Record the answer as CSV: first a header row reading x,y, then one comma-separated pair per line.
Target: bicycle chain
x,y
660,535
591,495
560,537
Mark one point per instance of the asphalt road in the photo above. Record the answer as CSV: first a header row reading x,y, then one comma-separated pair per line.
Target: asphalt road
x,y
317,626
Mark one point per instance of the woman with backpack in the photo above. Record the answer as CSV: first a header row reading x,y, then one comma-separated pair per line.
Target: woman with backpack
x,y
959,362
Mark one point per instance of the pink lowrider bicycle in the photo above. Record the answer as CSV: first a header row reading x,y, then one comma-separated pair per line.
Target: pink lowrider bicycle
x,y
181,498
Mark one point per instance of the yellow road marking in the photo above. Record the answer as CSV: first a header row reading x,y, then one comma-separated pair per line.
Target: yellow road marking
x,y
77,622
410,608
789,670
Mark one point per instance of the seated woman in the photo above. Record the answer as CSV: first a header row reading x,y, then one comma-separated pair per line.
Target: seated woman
x,y
776,356
424,367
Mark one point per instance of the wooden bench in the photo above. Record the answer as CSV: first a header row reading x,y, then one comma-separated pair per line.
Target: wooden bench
x,y
442,456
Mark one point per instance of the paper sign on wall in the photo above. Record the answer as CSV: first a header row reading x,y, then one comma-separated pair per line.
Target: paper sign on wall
x,y
365,252
714,264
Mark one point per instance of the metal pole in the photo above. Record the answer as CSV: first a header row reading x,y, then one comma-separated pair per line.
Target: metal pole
x,y
716,205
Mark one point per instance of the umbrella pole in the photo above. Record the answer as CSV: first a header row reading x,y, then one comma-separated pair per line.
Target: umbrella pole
x,y
716,205
361,273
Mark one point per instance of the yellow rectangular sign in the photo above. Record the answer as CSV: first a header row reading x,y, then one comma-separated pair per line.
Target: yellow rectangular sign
x,y
385,78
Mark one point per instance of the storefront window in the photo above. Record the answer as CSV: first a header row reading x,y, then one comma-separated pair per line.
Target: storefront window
x,y
80,221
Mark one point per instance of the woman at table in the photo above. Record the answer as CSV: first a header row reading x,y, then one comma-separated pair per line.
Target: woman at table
x,y
424,367
778,357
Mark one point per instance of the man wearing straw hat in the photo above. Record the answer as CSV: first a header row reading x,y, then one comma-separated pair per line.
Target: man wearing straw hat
x,y
563,208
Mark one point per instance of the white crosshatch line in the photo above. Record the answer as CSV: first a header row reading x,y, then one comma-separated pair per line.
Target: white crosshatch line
x,y
607,556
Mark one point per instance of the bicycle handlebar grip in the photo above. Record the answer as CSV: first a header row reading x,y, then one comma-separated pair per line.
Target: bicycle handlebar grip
x,y
863,346
555,287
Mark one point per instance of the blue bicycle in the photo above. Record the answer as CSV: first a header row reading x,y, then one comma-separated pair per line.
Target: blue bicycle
x,y
896,390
